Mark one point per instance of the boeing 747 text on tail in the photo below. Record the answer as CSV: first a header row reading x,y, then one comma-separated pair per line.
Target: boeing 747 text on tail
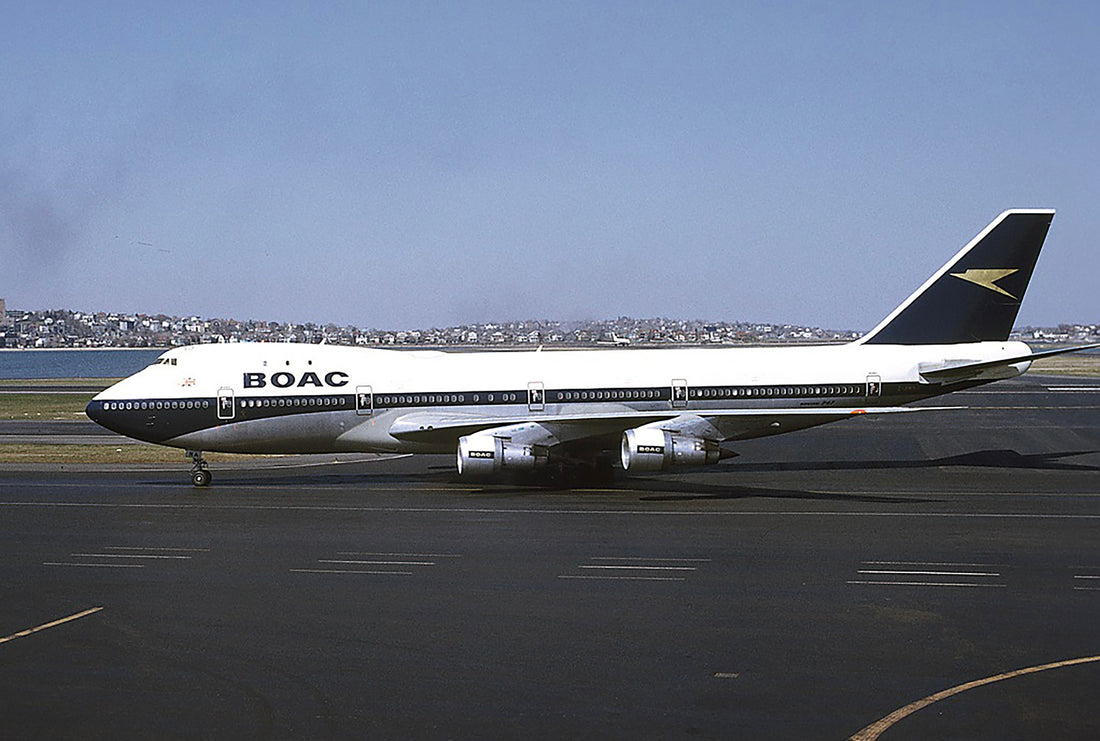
x,y
580,410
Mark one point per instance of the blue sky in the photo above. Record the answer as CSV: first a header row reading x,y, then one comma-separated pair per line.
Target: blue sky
x,y
410,164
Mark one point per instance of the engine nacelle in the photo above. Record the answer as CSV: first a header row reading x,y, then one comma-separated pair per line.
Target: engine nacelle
x,y
484,455
654,449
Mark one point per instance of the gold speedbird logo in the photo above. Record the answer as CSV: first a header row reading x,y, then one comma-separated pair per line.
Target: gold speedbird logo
x,y
987,278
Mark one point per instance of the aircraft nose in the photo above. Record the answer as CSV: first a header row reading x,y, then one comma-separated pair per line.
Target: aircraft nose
x,y
125,418
104,415
94,411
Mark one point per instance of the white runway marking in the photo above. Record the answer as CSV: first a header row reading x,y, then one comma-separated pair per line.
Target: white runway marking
x,y
639,565
927,573
134,553
399,555
126,555
350,571
931,563
97,565
1090,584
640,558
136,548
949,574
622,578
924,584
381,560
643,568
379,563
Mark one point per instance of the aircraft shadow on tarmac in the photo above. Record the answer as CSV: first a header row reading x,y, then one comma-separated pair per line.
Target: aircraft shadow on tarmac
x,y
652,489
677,491
980,458
660,488
672,490
1006,459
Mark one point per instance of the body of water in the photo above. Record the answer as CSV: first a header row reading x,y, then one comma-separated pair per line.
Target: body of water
x,y
74,363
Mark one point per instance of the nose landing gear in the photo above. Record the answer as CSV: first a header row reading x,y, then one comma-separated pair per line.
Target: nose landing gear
x,y
200,472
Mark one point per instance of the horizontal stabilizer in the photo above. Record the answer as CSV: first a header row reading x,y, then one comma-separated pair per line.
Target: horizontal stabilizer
x,y
962,370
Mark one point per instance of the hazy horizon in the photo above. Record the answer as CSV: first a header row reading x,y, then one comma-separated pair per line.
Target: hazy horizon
x,y
564,324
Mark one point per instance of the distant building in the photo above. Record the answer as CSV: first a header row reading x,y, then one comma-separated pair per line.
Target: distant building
x,y
3,313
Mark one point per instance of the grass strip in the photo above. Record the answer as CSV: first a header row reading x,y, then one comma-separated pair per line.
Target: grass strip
x,y
43,406
47,383
103,454
1069,365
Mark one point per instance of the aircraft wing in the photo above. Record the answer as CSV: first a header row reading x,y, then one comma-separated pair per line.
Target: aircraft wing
x,y
532,429
552,430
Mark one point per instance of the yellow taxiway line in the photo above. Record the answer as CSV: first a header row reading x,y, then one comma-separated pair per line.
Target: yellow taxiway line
x,y
53,624
876,729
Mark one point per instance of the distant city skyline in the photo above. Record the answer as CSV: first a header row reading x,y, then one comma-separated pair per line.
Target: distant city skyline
x,y
409,165
62,328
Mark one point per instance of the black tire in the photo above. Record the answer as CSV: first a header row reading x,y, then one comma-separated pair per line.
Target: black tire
x,y
200,478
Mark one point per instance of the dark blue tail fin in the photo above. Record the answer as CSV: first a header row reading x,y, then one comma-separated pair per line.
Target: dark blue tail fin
x,y
975,297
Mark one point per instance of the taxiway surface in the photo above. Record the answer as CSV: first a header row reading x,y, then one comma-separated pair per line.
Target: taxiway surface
x,y
804,590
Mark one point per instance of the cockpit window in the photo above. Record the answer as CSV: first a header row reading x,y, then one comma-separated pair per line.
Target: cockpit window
x,y
164,361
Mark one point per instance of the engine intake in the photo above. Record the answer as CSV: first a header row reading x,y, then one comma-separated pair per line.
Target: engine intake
x,y
485,455
654,449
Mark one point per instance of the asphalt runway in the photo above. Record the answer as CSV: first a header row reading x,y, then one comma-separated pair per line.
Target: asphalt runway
x,y
805,590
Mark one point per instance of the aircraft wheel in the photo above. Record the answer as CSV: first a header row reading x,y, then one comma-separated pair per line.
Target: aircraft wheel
x,y
200,478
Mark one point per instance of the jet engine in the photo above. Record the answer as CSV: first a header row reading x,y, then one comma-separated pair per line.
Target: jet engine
x,y
654,449
484,455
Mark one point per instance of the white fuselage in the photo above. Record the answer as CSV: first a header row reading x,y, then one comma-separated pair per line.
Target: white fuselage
x,y
320,398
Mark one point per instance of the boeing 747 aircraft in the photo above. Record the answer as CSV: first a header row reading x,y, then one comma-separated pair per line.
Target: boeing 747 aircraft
x,y
575,410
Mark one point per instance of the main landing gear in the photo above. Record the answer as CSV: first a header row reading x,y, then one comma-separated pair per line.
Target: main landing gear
x,y
200,472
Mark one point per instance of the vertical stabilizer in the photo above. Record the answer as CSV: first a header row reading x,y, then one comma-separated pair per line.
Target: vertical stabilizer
x,y
974,297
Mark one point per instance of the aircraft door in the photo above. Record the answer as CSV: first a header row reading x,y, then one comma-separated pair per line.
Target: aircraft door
x,y
874,385
364,401
536,396
679,393
227,408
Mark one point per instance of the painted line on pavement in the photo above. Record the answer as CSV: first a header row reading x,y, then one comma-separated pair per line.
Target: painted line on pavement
x,y
128,555
622,578
349,571
927,573
97,565
642,568
46,626
876,729
925,584
378,563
